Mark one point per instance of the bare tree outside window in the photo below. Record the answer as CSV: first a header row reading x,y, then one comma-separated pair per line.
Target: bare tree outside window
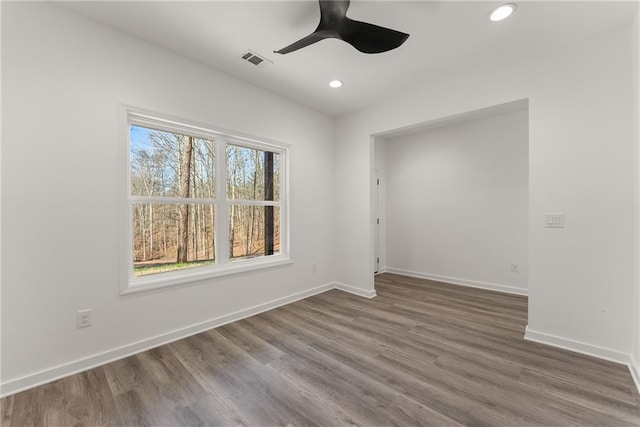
x,y
173,201
169,166
253,182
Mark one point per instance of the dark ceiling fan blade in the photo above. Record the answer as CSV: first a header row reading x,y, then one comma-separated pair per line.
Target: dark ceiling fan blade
x,y
370,38
303,42
365,37
332,13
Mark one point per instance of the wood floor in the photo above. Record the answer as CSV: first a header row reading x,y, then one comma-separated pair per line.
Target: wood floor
x,y
421,353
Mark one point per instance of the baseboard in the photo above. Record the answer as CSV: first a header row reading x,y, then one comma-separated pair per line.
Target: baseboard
x,y
634,368
356,291
48,375
460,282
576,346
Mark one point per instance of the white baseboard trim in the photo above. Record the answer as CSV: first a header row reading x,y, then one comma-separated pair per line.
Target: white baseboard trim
x,y
460,282
634,368
587,349
576,346
17,385
356,291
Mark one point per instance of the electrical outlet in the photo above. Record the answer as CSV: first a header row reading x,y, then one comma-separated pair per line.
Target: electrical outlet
x,y
314,267
83,318
515,268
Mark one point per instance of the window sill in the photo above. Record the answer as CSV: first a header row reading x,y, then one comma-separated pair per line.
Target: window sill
x,y
177,278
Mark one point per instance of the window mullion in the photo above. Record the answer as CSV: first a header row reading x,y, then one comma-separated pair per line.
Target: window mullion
x,y
171,200
221,210
241,202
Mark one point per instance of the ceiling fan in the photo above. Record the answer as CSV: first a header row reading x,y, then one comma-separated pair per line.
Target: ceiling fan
x,y
367,38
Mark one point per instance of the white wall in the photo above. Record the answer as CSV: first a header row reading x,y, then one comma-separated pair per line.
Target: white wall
x,y
580,163
457,199
63,78
0,212
635,43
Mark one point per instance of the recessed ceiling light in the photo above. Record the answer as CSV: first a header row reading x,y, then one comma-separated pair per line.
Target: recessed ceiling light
x,y
502,12
335,83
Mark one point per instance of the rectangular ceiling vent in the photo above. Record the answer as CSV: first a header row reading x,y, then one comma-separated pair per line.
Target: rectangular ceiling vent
x,y
255,59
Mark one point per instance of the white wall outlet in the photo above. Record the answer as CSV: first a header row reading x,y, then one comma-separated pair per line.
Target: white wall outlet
x,y
515,268
83,318
314,267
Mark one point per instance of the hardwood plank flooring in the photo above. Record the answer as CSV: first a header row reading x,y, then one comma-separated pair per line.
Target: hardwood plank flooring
x,y
421,353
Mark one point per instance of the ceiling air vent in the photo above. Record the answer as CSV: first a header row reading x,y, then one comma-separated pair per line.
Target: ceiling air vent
x,y
255,59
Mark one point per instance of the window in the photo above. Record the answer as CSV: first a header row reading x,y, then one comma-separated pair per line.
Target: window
x,y
253,191
200,203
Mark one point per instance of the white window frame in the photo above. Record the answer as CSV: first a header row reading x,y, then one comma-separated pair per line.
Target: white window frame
x,y
223,266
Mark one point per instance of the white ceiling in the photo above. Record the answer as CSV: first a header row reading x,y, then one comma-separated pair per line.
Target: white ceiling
x,y
444,36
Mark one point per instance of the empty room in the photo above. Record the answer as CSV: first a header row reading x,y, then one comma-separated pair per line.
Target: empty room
x,y
372,213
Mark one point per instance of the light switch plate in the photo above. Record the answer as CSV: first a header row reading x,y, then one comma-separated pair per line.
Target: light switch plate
x,y
554,220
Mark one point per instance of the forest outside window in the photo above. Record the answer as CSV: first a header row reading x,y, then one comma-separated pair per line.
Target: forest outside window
x,y
200,203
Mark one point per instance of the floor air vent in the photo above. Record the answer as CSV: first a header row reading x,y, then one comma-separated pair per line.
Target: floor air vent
x,y
256,59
